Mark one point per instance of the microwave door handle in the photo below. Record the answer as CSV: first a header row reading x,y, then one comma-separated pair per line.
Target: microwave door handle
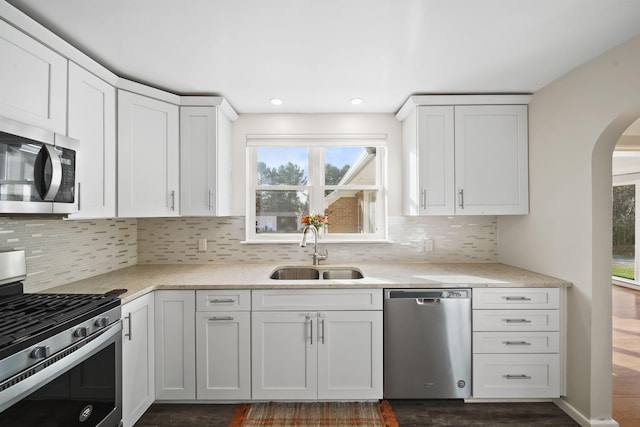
x,y
48,190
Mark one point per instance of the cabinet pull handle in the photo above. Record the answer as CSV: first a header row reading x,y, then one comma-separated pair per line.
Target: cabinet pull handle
x,y
128,334
516,343
461,198
517,298
173,200
222,300
210,200
517,377
322,331
218,318
311,330
517,320
423,199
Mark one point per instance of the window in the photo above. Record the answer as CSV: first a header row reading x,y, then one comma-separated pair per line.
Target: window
x,y
335,176
623,263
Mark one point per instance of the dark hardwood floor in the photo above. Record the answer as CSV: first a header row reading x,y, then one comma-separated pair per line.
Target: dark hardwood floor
x,y
409,413
626,356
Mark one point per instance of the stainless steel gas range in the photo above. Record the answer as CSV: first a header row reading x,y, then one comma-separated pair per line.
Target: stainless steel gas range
x,y
60,355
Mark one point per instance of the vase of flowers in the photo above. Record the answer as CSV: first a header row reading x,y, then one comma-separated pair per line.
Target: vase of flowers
x,y
316,220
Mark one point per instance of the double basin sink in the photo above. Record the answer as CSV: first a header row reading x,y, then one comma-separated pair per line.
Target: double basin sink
x,y
319,272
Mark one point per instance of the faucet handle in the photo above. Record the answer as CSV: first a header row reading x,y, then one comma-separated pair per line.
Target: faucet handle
x,y
323,255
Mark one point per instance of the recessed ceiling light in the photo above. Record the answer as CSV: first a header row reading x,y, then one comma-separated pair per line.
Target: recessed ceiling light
x,y
356,101
276,101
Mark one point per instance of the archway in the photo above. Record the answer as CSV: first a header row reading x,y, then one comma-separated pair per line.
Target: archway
x,y
602,237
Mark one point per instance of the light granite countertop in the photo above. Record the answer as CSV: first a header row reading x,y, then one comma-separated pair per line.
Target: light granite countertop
x,y
141,279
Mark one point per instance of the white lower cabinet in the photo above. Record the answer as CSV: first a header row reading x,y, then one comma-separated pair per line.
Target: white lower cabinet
x,y
138,385
308,355
516,343
175,345
223,345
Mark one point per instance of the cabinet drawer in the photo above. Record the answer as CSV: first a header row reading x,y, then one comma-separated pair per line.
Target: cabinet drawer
x,y
223,300
317,299
516,320
527,298
516,342
516,375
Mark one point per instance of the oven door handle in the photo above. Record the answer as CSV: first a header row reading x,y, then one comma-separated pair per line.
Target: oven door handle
x,y
47,370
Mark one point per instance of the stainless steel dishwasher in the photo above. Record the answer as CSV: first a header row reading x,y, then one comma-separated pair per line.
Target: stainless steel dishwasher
x,y
427,343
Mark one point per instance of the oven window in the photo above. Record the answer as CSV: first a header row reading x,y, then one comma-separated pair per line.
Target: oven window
x,y
82,396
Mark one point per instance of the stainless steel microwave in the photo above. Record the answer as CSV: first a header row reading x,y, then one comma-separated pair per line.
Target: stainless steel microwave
x,y
37,170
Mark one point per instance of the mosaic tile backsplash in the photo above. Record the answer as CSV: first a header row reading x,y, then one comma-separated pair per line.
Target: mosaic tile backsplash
x,y
455,239
62,251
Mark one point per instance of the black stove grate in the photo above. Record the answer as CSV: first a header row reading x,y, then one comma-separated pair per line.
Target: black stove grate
x,y
26,316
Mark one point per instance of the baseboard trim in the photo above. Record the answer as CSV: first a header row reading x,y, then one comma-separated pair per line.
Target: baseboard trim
x,y
580,418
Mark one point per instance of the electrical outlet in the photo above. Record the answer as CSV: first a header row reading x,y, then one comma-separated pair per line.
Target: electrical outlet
x,y
202,245
428,245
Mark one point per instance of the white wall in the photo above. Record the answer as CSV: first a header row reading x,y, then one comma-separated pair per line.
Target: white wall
x,y
574,124
291,124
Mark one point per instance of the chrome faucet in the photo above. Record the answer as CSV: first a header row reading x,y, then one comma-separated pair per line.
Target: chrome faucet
x,y
316,256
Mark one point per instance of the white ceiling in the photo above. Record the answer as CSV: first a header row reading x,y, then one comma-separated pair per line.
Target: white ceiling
x,y
318,54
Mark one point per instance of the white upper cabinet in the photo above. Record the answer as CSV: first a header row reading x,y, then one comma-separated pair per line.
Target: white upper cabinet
x,y
429,161
205,161
92,120
33,81
148,157
491,159
469,159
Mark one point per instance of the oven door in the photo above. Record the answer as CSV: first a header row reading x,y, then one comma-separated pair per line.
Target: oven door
x,y
79,386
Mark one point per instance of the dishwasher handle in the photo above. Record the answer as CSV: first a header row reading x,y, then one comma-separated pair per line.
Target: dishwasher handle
x,y
425,301
425,296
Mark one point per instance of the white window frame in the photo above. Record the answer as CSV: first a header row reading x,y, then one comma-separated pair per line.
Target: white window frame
x,y
315,182
631,179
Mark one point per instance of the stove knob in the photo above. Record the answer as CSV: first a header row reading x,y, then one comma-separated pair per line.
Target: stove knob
x,y
101,322
80,332
40,352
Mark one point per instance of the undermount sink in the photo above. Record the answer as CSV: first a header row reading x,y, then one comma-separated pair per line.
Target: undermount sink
x,y
316,273
295,273
342,273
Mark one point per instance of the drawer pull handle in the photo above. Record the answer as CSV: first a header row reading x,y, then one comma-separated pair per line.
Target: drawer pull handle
x,y
219,318
517,377
516,343
222,300
517,320
517,298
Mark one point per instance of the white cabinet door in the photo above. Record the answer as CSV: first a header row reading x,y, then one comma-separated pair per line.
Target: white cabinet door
x,y
284,355
350,355
491,159
428,141
175,345
138,386
33,81
205,162
92,120
148,157
223,355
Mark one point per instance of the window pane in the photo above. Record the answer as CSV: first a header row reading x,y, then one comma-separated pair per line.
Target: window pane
x,y
351,211
283,165
624,225
350,165
280,211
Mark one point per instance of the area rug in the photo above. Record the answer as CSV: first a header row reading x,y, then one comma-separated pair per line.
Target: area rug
x,y
314,414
